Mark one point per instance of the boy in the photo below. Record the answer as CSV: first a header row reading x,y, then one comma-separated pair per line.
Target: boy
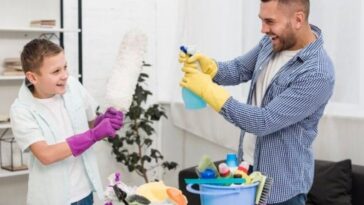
x,y
51,118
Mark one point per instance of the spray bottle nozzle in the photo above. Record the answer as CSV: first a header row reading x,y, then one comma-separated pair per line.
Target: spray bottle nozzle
x,y
188,50
184,50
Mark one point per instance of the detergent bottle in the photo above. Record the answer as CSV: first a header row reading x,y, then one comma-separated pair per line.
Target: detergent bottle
x,y
190,99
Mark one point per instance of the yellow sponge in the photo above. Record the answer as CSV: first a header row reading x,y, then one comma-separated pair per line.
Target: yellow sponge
x,y
154,191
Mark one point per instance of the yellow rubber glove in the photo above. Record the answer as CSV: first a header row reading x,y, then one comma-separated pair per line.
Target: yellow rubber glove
x,y
208,65
202,85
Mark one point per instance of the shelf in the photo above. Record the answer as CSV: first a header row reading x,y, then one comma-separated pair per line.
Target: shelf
x,y
6,173
40,30
5,125
4,77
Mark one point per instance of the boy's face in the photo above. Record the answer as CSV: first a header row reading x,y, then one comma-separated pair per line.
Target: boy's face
x,y
51,78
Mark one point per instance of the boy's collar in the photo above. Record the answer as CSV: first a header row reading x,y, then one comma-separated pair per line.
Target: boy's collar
x,y
25,95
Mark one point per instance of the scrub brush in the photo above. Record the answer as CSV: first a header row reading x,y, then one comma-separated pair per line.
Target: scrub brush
x,y
126,70
264,187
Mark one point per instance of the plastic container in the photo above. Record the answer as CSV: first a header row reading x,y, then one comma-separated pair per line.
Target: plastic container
x,y
191,100
229,195
232,161
208,174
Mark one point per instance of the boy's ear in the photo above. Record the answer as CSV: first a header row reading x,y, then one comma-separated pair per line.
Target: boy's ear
x,y
31,77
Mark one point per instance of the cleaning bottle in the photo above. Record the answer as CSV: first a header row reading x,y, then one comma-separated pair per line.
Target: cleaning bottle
x,y
244,166
232,162
208,174
191,100
242,172
224,172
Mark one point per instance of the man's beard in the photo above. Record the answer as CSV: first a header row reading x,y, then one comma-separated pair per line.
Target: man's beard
x,y
285,42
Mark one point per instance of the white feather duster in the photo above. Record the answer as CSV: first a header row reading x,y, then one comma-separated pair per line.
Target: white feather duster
x,y
124,76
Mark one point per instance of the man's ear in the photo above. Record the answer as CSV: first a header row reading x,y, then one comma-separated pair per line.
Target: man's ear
x,y
300,19
31,77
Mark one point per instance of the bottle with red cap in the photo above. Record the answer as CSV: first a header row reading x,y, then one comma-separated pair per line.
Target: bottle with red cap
x,y
242,171
244,167
224,171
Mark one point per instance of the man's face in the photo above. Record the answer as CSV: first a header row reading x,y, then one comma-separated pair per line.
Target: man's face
x,y
277,24
52,77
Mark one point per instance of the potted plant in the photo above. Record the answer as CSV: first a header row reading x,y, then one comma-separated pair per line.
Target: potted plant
x,y
133,147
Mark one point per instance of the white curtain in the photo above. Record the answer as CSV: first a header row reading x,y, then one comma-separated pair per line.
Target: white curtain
x,y
216,29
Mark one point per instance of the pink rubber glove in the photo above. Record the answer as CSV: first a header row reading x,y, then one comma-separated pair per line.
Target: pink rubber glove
x,y
111,113
81,142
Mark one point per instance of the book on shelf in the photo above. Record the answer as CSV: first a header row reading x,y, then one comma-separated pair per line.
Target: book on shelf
x,y
12,67
12,72
12,60
12,63
4,118
43,23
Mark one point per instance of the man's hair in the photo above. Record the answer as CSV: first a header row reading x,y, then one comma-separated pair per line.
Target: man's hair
x,y
34,53
304,3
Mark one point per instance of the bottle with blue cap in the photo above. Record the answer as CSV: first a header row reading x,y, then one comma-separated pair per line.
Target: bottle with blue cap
x,y
190,99
208,174
232,162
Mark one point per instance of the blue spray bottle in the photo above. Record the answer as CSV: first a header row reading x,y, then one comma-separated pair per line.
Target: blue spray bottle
x,y
191,100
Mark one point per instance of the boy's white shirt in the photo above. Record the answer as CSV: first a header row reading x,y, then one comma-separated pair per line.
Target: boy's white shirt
x,y
32,122
80,186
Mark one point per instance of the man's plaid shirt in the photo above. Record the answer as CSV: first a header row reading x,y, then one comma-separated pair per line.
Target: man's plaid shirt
x,y
286,123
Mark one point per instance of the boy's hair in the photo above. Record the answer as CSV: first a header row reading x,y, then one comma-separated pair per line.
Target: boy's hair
x,y
34,53
304,3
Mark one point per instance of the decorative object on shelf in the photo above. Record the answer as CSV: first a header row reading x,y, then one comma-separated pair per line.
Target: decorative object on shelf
x,y
4,118
133,148
43,23
12,67
11,157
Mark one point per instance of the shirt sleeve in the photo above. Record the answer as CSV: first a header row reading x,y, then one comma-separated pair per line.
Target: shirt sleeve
x,y
240,69
25,128
304,97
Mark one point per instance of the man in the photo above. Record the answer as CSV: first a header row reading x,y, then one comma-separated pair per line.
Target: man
x,y
292,79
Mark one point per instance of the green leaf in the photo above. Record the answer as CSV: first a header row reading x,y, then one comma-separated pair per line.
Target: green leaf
x,y
155,112
156,154
146,127
134,157
169,165
146,158
148,142
140,168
